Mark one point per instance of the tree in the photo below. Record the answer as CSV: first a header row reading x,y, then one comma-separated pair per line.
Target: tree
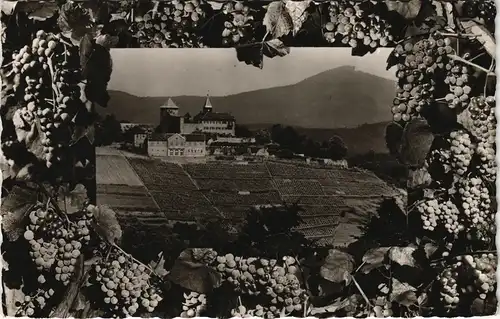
x,y
336,148
108,130
242,131
263,136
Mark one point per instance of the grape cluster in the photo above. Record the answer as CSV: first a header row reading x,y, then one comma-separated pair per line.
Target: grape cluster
x,y
482,270
485,10
33,303
47,79
435,212
357,24
194,305
56,243
476,205
174,25
124,286
382,308
448,286
458,79
459,155
265,277
482,113
416,68
239,24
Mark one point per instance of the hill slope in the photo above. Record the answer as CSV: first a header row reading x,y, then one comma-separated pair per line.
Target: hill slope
x,y
341,97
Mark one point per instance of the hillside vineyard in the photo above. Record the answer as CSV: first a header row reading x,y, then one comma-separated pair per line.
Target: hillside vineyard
x,y
170,192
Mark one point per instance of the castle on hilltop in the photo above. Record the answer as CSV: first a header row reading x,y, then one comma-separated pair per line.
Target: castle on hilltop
x,y
206,121
185,135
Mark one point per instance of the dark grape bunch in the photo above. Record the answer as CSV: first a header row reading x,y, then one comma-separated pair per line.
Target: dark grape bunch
x,y
194,305
239,24
124,286
33,303
448,286
417,66
485,11
436,212
56,243
277,280
47,80
176,24
356,24
476,205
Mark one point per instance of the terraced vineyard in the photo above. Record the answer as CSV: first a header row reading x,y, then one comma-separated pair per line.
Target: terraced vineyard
x,y
334,201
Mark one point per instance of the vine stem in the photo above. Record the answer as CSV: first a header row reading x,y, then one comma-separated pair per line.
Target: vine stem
x,y
361,291
457,58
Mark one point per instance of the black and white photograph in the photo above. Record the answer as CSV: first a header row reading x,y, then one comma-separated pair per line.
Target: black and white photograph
x,y
237,159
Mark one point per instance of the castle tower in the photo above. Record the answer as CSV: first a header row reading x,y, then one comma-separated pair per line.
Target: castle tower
x,y
208,105
169,108
169,117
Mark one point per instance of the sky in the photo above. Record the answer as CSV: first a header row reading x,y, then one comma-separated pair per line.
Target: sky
x,y
174,72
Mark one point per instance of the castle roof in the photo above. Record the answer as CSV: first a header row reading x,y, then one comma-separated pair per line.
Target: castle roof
x,y
195,138
213,116
170,104
208,104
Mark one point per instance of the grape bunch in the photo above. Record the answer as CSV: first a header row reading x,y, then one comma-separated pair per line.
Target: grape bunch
x,y
482,270
357,24
476,205
175,24
33,304
265,277
56,243
382,308
448,287
459,155
194,305
484,10
435,212
123,285
239,25
417,65
458,79
47,80
482,113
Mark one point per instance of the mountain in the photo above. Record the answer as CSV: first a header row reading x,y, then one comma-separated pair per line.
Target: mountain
x,y
341,97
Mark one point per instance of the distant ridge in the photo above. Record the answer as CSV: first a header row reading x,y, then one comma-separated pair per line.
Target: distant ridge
x,y
341,97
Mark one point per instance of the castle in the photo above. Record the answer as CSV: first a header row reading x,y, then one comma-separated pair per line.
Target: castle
x,y
186,136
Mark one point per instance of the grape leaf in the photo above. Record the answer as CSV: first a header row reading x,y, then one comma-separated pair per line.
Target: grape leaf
x,y
96,69
81,132
402,256
277,20
14,207
72,201
298,12
194,275
337,267
416,143
159,266
106,223
39,11
393,137
482,35
8,7
74,19
430,249
337,305
275,47
374,258
403,293
408,9
419,177
251,54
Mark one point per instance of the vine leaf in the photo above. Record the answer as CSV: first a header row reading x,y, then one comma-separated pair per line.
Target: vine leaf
x,y
277,19
338,304
253,54
106,223
419,177
40,11
403,293
402,256
482,34
72,201
14,208
159,266
374,258
337,266
193,274
393,137
416,143
275,47
408,9
298,12
74,20
8,7
430,249
96,69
